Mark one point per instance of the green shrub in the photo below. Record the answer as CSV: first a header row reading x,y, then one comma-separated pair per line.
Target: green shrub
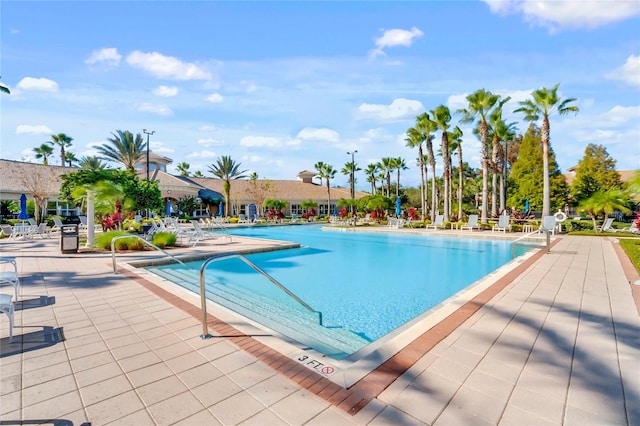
x,y
164,239
103,240
234,219
131,225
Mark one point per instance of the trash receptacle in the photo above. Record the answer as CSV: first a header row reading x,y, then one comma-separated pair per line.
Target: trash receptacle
x,y
69,239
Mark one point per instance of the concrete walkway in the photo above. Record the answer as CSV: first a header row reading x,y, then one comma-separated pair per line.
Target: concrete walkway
x,y
559,345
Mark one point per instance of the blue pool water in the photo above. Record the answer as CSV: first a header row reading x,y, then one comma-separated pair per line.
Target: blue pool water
x,y
369,283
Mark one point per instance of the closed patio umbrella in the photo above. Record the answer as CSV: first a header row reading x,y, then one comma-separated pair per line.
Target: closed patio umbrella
x,y
168,207
526,205
398,203
23,208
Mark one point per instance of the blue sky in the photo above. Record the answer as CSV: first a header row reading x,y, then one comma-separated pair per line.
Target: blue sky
x,y
279,86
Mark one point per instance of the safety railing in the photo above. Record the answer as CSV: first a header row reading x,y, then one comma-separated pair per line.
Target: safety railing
x,y
203,298
113,250
517,241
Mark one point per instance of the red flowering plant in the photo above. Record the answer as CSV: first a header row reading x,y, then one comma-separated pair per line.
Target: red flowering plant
x,y
412,213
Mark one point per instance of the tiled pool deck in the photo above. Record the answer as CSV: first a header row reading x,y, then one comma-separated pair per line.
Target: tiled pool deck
x,y
558,343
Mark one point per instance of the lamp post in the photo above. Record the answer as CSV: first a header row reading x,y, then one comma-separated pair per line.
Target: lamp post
x,y
148,133
353,190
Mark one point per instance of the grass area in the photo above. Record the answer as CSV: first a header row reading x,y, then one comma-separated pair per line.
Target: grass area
x,y
631,246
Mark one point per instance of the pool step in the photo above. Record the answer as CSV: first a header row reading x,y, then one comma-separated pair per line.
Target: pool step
x,y
286,316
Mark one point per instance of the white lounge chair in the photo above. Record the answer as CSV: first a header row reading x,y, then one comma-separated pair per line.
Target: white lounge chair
x,y
438,223
198,234
10,277
606,226
548,223
472,224
633,228
6,307
57,225
503,224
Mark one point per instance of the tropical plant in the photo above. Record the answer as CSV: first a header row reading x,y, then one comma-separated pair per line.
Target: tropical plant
x,y
92,163
63,141
4,89
480,104
372,171
596,172
183,168
498,129
164,239
350,170
605,202
387,166
327,172
198,174
441,116
455,141
44,151
415,139
226,169
426,127
70,158
545,102
399,164
124,148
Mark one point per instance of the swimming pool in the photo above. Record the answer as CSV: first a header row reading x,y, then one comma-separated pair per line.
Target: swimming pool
x,y
366,283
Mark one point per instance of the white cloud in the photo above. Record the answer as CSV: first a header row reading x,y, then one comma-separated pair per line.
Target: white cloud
x,y
155,108
456,102
108,56
249,86
261,142
214,98
165,91
42,84
39,129
399,109
203,154
318,134
629,73
210,142
619,115
567,13
395,37
169,67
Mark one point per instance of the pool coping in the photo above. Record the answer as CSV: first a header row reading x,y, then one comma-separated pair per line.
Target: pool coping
x,y
355,397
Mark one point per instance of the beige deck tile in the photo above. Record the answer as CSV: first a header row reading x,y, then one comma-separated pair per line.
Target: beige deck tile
x,y
149,374
97,374
161,390
89,349
46,374
114,408
104,389
63,404
514,416
47,390
393,416
139,418
203,417
185,362
11,402
299,407
92,361
140,360
175,408
214,391
237,408
251,374
196,376
266,417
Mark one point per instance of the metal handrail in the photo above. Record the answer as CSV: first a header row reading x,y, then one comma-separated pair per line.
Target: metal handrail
x,y
203,300
516,241
113,251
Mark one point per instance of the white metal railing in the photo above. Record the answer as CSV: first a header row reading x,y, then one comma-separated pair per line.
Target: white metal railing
x,y
519,240
113,251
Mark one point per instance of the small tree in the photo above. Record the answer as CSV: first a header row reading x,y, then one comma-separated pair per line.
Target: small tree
x,y
605,203
40,183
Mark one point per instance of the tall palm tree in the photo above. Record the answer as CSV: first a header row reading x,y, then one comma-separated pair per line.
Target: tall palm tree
x,y
496,124
505,132
455,140
4,89
70,158
426,127
198,173
63,141
441,117
480,104
124,148
226,169
183,168
372,171
92,163
415,139
350,170
327,172
44,151
545,102
387,166
399,164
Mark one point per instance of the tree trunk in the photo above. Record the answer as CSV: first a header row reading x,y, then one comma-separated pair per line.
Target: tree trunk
x,y
546,187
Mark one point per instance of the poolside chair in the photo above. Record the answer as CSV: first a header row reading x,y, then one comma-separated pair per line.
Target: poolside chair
x,y
548,223
198,234
57,225
6,307
32,222
633,228
472,224
503,224
10,277
438,223
606,226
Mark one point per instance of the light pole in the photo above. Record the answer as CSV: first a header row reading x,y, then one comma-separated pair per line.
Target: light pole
x,y
353,190
148,133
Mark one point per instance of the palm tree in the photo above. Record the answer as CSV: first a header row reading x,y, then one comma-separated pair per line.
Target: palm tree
x,y
414,139
124,148
497,125
226,169
4,89
63,141
327,172
399,164
387,166
505,133
544,103
350,170
426,127
480,104
92,163
441,117
198,173
44,151
455,140
70,158
372,171
605,203
183,168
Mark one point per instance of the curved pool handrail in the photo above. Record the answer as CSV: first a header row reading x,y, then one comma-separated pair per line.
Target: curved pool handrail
x,y
516,241
203,299
119,237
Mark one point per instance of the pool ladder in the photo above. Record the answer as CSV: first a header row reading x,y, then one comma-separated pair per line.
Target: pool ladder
x,y
515,242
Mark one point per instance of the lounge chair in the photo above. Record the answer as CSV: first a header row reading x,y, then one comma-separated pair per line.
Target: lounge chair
x,y
633,228
198,234
57,225
472,224
606,226
6,307
10,277
503,224
548,223
438,223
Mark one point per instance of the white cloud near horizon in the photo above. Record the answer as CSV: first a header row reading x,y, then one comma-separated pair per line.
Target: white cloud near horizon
x,y
203,154
109,56
628,73
155,109
214,98
209,142
39,129
165,91
41,84
399,109
268,142
319,134
169,67
392,38
558,14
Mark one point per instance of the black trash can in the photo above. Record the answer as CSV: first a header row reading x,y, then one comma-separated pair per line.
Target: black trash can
x,y
69,239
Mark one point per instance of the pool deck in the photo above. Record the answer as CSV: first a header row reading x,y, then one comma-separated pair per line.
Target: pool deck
x,y
557,343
